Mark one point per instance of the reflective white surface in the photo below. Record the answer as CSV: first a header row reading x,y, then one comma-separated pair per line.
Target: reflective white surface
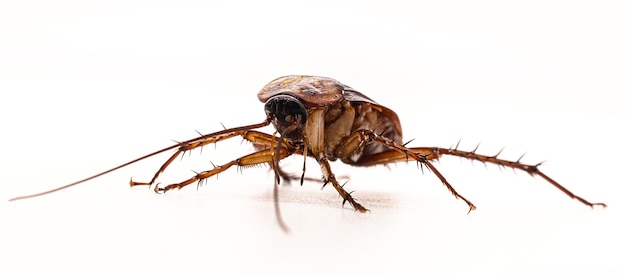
x,y
86,87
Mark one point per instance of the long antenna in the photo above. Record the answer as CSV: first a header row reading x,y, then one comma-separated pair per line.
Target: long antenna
x,y
94,176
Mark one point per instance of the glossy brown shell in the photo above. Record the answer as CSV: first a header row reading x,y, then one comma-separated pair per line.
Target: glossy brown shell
x,y
319,91
313,91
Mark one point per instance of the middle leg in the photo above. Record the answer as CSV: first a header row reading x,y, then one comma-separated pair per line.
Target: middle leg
x,y
356,141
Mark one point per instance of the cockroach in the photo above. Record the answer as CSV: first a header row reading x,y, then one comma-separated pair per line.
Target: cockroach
x,y
321,118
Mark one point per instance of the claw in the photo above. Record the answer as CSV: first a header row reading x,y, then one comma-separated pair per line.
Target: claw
x,y
158,190
471,208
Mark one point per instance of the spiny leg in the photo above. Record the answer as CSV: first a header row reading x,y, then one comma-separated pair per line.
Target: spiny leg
x,y
265,142
330,177
253,136
264,156
433,153
398,152
260,157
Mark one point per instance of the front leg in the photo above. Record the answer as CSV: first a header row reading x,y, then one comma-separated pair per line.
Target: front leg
x,y
250,135
260,157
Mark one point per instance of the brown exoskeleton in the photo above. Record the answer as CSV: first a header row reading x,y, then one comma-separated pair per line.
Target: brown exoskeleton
x,y
321,118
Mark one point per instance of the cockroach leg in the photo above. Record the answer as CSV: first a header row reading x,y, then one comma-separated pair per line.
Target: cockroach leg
x,y
253,136
260,157
330,177
433,153
397,153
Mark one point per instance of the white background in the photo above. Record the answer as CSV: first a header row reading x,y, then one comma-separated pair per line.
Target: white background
x,y
88,85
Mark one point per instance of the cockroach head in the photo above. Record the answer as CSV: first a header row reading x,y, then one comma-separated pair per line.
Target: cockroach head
x,y
288,115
